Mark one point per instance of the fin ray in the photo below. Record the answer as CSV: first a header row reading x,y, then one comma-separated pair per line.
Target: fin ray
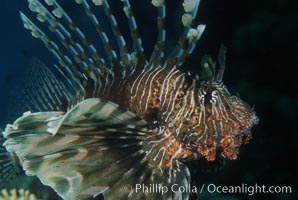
x,y
187,40
158,53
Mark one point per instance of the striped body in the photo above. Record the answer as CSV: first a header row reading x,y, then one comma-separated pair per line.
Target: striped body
x,y
199,116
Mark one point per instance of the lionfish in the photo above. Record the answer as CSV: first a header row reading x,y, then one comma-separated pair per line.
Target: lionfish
x,y
114,117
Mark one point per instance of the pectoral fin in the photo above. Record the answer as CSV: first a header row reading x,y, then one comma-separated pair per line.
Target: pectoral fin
x,y
95,148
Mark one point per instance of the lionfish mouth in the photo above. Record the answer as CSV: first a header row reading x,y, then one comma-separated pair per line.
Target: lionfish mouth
x,y
244,134
249,123
254,120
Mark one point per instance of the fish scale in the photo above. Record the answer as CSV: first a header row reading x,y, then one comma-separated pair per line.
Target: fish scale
x,y
115,118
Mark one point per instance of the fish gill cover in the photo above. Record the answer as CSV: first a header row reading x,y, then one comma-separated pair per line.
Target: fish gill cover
x,y
112,118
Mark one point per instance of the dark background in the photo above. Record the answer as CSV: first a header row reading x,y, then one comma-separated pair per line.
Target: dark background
x,y
262,60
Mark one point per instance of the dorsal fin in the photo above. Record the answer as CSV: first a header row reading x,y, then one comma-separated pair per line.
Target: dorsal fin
x,y
221,62
83,63
189,37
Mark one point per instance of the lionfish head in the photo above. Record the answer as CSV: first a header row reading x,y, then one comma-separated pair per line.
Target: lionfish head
x,y
225,121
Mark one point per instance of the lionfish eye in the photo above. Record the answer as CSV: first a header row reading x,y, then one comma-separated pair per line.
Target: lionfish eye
x,y
208,97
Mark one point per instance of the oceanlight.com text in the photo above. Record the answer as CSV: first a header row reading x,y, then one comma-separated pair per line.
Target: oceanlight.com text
x,y
247,189
210,188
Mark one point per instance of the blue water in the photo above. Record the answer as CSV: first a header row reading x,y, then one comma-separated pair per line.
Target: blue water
x,y
17,48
